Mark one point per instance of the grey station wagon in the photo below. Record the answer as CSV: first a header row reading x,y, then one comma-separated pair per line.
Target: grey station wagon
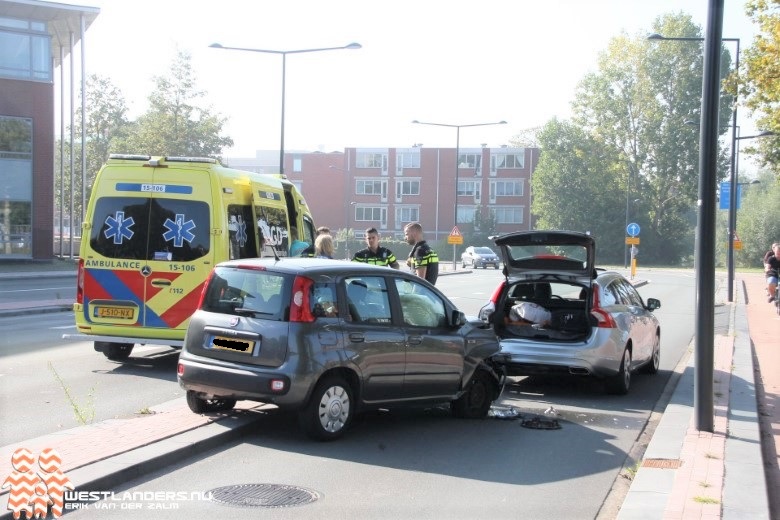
x,y
329,338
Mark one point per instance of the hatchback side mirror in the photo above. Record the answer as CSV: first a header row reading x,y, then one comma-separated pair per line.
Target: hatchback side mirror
x,y
458,318
653,304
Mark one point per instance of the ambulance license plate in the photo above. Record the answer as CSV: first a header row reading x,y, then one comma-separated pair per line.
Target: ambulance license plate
x,y
233,344
122,313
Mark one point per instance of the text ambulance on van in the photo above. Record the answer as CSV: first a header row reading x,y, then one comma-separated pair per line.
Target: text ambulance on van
x,y
154,229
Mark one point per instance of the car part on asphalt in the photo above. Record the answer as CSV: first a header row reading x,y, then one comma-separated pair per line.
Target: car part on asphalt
x,y
538,423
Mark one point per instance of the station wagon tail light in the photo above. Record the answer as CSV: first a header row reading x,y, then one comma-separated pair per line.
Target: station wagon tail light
x,y
604,319
300,310
80,282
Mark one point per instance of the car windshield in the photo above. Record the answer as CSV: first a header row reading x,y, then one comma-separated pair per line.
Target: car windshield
x,y
483,251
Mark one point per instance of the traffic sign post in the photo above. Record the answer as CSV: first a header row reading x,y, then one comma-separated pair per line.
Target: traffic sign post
x,y
632,230
455,238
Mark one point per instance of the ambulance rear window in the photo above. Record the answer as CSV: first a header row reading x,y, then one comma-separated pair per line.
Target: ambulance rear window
x,y
171,230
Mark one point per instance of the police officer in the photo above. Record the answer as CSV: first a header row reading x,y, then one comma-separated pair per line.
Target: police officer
x,y
374,253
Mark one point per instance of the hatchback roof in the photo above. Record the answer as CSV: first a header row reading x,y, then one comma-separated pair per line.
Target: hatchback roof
x,y
561,255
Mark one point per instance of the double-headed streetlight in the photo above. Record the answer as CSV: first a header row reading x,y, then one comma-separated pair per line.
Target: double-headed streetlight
x,y
733,177
284,72
457,165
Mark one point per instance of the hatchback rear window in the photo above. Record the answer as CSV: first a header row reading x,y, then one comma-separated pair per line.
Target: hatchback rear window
x,y
532,256
247,292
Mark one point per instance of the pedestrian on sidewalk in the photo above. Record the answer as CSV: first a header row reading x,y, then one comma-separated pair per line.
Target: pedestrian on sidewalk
x,y
375,254
772,269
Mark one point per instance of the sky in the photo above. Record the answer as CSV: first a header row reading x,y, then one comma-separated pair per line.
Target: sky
x,y
453,62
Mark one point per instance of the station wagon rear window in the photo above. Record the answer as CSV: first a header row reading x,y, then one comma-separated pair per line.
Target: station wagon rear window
x,y
150,228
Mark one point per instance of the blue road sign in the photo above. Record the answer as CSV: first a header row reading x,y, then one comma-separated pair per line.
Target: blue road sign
x,y
632,229
725,195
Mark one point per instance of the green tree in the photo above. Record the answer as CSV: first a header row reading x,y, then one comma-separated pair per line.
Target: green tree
x,y
106,123
637,104
572,188
174,124
482,227
761,78
758,220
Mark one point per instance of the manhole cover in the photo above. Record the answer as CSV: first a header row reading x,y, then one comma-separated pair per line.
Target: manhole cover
x,y
263,495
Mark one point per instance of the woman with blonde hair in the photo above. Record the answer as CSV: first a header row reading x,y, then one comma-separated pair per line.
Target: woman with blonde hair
x,y
323,247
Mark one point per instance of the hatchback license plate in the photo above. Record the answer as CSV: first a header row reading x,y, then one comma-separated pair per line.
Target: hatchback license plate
x,y
122,313
235,345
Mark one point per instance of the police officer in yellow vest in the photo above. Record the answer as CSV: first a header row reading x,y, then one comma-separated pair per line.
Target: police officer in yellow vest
x,y
374,253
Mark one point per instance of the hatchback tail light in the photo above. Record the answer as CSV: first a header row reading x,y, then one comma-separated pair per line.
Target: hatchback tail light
x,y
490,307
205,288
300,308
604,319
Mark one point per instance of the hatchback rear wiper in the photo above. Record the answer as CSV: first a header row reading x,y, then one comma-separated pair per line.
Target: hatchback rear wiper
x,y
250,312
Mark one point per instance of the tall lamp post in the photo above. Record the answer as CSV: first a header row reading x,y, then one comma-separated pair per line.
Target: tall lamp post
x,y
457,166
733,177
284,73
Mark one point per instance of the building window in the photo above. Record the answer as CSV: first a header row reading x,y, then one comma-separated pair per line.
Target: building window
x,y
406,214
297,163
25,50
407,160
370,187
371,214
466,214
506,188
508,214
407,187
504,161
371,160
470,160
469,188
16,192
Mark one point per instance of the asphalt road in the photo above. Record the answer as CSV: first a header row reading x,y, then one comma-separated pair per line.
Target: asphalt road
x,y
416,463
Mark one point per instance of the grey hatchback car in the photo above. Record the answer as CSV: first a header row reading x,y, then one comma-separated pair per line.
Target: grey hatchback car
x,y
329,338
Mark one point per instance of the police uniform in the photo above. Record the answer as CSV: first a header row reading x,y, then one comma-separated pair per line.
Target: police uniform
x,y
423,256
383,257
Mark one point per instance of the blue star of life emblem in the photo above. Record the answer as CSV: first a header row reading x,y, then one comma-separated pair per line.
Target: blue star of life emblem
x,y
241,231
119,227
179,231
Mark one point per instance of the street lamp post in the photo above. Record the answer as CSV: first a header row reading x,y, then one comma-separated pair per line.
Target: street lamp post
x,y
732,217
457,166
284,73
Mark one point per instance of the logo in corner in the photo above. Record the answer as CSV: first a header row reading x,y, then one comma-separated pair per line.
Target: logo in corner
x,y
32,490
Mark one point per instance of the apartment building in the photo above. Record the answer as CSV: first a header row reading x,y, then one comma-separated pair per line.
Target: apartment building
x,y
389,187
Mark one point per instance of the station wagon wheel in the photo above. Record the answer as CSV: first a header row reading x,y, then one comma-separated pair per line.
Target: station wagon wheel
x,y
620,382
329,411
475,403
200,405
655,361
115,351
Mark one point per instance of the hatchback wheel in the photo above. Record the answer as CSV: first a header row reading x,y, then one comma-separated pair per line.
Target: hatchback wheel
x,y
620,382
655,362
475,403
200,405
329,411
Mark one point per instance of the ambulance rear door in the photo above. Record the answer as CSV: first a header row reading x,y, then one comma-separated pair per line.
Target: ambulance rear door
x,y
181,250
270,212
